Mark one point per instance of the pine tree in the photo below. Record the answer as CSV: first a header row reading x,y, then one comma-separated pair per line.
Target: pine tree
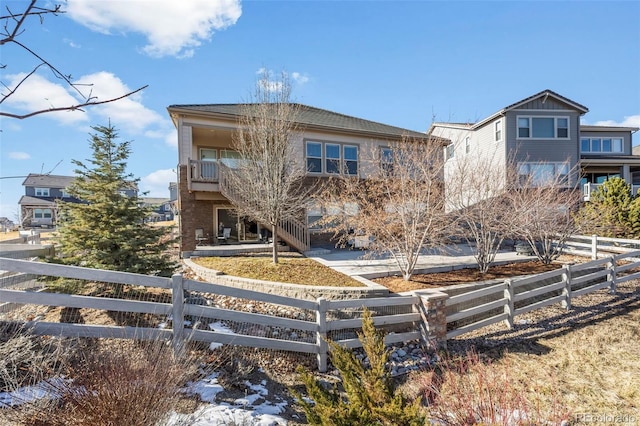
x,y
607,213
108,230
368,396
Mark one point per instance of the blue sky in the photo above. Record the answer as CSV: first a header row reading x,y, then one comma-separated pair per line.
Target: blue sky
x,y
399,63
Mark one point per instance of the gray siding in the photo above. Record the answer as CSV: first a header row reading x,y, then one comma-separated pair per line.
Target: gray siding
x,y
548,104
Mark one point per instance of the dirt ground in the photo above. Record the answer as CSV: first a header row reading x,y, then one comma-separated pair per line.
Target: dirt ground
x,y
443,279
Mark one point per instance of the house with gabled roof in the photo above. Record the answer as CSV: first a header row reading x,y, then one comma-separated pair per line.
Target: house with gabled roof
x,y
542,134
328,144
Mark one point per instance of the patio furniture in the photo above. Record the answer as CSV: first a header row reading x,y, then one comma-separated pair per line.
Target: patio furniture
x,y
201,237
226,234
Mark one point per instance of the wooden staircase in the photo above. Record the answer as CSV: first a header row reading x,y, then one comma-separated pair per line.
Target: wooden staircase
x,y
291,231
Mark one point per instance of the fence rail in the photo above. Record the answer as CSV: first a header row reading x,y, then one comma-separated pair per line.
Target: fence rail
x,y
519,296
320,319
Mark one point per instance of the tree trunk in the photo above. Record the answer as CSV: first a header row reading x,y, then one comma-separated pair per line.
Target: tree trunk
x,y
274,232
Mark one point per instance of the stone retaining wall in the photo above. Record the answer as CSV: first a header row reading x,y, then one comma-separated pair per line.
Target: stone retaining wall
x,y
369,289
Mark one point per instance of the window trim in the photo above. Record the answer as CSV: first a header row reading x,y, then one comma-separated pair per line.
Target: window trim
x,y
591,139
323,157
42,192
497,131
530,119
43,213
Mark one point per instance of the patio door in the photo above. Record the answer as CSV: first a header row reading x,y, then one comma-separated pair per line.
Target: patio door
x,y
242,229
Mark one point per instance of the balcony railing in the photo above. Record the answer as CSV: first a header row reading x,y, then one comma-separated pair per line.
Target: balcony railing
x,y
589,188
204,171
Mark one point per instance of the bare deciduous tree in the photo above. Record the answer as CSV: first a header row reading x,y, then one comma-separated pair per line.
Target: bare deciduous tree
x,y
267,185
544,211
399,206
13,25
475,192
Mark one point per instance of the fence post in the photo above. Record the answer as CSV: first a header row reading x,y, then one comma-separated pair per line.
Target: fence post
x,y
509,306
611,276
177,313
594,247
433,309
566,291
321,335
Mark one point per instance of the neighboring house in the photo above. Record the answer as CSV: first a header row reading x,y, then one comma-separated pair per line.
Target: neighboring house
x,y
6,224
329,142
38,207
542,134
162,208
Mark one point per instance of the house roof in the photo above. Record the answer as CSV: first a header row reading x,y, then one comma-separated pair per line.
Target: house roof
x,y
544,94
47,181
309,116
592,128
154,201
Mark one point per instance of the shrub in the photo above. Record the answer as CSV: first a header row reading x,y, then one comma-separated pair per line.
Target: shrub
x,y
367,395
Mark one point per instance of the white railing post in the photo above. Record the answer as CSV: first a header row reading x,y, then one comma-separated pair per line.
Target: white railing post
x,y
321,335
611,276
177,313
509,308
594,247
566,291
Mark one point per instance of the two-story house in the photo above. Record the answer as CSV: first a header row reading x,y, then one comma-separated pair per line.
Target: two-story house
x,y
329,143
38,207
542,135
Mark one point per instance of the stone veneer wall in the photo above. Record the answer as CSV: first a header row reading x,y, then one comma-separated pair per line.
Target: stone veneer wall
x,y
307,292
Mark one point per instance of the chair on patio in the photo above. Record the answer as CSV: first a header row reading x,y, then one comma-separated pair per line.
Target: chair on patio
x,y
224,237
201,238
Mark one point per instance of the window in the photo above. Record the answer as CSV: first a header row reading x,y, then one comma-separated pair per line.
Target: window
x,y
543,173
337,158
467,145
230,158
543,127
42,192
42,213
449,151
498,130
65,194
314,157
604,145
332,158
208,165
386,160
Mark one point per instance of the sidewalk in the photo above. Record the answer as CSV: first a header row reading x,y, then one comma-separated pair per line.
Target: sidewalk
x,y
356,262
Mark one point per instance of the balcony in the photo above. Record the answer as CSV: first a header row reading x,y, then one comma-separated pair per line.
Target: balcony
x,y
203,176
589,188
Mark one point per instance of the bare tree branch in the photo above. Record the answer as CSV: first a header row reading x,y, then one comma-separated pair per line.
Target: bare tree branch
x,y
12,27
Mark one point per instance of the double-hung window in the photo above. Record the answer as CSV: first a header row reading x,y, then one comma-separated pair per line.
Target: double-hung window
x,y
498,130
331,158
386,160
543,127
540,174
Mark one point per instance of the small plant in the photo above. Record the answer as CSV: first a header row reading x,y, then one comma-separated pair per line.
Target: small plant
x,y
467,390
367,395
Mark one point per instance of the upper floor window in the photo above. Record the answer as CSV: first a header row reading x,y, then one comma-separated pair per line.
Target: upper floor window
x,y
543,127
539,174
467,145
601,145
42,192
449,152
498,130
386,160
331,158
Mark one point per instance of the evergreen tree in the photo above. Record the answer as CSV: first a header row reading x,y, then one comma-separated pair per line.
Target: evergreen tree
x,y
108,230
607,213
368,396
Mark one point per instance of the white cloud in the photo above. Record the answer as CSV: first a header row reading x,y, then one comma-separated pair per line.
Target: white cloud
x,y
17,155
172,28
157,183
299,78
128,112
37,93
630,121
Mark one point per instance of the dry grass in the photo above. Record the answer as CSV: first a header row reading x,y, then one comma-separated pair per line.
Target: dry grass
x,y
293,270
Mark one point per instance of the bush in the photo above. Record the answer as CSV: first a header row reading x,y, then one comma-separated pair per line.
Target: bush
x,y
367,395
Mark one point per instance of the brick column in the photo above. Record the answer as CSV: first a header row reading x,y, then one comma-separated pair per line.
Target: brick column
x,y
434,316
